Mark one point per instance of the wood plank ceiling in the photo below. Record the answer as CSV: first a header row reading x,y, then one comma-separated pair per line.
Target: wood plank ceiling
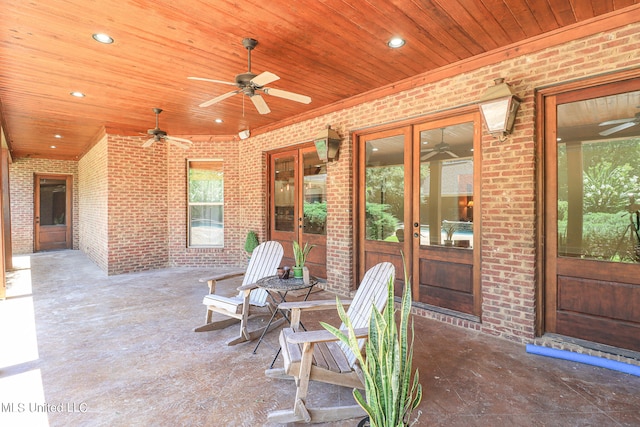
x,y
330,50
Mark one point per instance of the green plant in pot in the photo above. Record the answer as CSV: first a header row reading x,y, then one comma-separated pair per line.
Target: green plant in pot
x,y
449,229
391,395
300,256
251,242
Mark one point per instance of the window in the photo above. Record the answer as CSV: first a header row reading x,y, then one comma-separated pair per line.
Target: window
x,y
206,203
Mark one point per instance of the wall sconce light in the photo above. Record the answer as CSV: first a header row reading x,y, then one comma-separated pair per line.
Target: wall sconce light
x,y
327,143
244,134
499,106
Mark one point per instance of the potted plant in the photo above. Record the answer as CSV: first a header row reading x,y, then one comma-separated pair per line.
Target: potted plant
x,y
251,242
300,256
391,395
449,228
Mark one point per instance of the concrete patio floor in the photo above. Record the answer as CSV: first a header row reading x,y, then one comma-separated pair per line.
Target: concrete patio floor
x,y
79,348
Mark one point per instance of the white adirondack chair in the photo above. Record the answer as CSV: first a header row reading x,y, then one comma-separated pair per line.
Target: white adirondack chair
x,y
319,356
251,300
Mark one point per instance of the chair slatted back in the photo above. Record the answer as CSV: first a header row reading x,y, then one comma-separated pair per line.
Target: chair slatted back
x,y
372,290
265,260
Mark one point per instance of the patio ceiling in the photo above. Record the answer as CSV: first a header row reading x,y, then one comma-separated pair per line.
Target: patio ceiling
x,y
329,50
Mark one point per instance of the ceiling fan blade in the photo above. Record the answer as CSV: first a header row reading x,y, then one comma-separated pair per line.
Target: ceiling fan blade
x,y
175,138
617,128
212,81
428,156
148,142
218,99
178,142
616,122
264,79
452,154
260,104
287,95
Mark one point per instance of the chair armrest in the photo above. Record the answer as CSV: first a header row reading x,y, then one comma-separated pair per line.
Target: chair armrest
x,y
247,287
312,305
224,276
321,336
211,281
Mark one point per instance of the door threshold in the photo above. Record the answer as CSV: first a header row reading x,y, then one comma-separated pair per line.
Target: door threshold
x,y
591,348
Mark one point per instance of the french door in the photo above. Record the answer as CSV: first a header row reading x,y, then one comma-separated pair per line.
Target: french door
x,y
52,208
417,191
298,205
592,214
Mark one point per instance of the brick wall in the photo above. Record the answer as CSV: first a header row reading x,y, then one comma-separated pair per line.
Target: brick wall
x,y
94,202
137,206
21,183
508,204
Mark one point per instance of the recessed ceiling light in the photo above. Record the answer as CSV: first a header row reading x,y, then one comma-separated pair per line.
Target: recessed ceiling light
x,y
77,94
396,42
375,149
219,121
53,146
57,135
102,38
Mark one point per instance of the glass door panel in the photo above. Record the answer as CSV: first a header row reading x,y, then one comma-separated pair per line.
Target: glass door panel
x,y
384,184
314,194
284,193
446,186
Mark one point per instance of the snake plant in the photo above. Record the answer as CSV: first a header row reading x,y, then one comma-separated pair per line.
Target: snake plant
x,y
391,395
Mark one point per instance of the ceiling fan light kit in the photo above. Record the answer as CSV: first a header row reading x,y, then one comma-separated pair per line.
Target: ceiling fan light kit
x,y
251,85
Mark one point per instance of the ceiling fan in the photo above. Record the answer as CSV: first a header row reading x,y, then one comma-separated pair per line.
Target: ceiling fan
x,y
251,84
159,135
441,147
622,124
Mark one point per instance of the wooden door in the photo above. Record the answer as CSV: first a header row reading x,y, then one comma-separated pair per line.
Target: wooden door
x,y
412,183
298,205
52,212
592,210
446,231
384,201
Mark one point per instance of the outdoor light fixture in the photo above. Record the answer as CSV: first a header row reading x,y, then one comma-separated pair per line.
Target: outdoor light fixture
x,y
499,106
327,143
244,134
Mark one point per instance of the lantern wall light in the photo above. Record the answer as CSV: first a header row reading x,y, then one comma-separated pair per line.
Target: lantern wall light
x,y
499,106
327,143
